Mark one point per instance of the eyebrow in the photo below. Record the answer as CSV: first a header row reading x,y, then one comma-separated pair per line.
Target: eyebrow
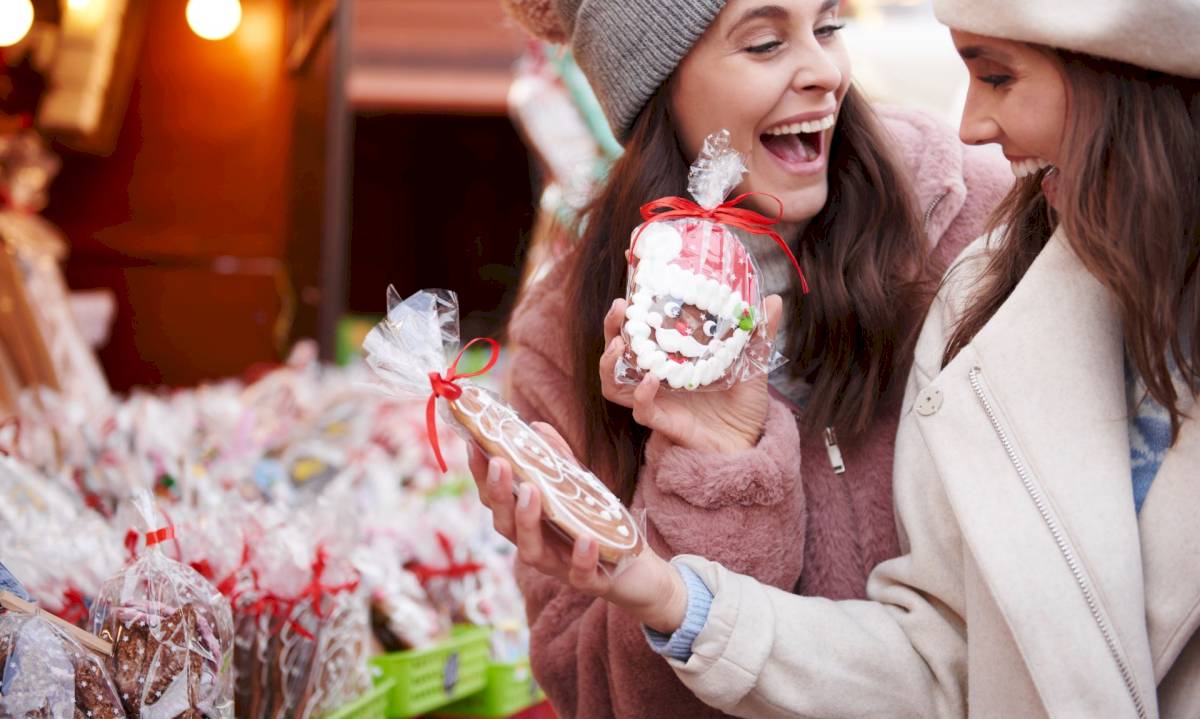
x,y
774,12
980,52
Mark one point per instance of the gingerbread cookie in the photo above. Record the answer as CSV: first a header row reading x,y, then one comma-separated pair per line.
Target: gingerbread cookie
x,y
163,666
573,499
693,303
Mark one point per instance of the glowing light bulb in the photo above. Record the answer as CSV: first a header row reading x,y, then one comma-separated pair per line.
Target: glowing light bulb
x,y
213,19
16,17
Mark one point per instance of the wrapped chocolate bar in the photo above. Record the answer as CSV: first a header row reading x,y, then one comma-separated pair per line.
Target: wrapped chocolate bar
x,y
171,631
409,352
695,314
44,672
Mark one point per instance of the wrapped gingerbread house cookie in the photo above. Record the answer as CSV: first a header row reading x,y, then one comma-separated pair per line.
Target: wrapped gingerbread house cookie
x,y
409,351
696,317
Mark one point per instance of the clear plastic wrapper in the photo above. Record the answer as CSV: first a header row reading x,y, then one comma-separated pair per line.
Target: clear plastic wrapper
x,y
409,351
171,630
696,313
302,624
45,673
62,551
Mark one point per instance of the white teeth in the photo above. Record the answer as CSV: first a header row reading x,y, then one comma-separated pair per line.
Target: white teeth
x,y
1025,168
808,127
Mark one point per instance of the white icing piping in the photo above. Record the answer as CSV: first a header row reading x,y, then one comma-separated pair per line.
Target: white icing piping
x,y
566,487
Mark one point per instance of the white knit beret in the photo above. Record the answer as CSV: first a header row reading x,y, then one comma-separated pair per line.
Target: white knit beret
x,y
1156,34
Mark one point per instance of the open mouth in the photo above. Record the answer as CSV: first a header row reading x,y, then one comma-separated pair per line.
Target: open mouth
x,y
1029,166
799,143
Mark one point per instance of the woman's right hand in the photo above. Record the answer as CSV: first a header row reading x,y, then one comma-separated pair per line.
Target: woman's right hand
x,y
713,421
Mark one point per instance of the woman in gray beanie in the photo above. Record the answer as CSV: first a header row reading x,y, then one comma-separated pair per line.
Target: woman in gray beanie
x,y
1048,459
790,485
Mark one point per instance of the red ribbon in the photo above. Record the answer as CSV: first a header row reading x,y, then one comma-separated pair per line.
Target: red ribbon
x,y
159,536
445,387
452,570
728,213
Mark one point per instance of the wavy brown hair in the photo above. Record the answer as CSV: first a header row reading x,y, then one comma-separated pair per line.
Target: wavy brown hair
x,y
864,255
1128,200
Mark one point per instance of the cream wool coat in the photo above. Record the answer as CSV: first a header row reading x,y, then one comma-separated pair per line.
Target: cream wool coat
x,y
1027,586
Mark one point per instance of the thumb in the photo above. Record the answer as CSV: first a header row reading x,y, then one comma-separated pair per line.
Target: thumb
x,y
774,307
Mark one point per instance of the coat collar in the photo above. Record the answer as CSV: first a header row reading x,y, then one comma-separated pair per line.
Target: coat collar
x,y
1050,366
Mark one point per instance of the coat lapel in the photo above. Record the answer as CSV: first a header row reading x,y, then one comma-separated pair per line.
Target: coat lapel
x,y
1171,550
1049,365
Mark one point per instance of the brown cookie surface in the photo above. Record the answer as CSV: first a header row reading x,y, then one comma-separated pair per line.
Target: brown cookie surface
x,y
574,500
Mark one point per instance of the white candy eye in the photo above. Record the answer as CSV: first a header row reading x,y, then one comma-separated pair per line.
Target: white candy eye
x,y
672,308
710,328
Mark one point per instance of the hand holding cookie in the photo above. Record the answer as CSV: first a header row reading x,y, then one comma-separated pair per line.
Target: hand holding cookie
x,y
646,587
728,421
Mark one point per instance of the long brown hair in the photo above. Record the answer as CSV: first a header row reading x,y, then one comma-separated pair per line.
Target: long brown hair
x,y
864,255
1128,200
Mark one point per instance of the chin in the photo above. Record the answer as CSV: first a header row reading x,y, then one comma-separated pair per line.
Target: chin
x,y
800,206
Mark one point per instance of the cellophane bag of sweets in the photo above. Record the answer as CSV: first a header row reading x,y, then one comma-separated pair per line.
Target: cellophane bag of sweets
x,y
410,351
696,314
45,673
302,622
171,631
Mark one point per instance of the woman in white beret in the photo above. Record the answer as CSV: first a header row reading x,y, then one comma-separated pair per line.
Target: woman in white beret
x,y
1047,468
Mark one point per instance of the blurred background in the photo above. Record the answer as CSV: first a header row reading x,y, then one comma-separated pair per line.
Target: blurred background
x,y
223,177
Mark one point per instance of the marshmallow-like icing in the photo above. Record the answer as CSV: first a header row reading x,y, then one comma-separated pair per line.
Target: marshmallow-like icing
x,y
658,242
666,290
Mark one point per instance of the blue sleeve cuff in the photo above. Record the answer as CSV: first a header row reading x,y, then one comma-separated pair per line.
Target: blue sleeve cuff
x,y
679,644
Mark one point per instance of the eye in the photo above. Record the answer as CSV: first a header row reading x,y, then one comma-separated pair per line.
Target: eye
x,y
710,328
826,32
764,48
672,308
996,80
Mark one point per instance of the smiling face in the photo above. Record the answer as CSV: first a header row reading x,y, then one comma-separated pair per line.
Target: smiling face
x,y
779,72
1017,99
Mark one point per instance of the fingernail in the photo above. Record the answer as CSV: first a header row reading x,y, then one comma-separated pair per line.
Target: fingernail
x,y
524,494
612,345
585,545
493,473
613,306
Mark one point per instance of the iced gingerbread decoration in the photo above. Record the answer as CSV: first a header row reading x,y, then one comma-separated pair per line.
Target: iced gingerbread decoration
x,y
408,351
695,314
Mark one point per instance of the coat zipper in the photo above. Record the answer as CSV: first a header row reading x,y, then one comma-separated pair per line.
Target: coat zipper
x,y
1063,546
933,206
834,452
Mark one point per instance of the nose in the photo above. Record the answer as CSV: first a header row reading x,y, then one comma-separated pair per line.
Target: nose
x,y
682,327
817,71
978,127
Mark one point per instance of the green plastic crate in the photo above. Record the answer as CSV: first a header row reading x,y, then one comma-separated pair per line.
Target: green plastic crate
x,y
372,705
427,679
510,689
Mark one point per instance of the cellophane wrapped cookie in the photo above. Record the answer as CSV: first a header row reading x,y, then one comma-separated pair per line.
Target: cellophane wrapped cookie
x,y
409,351
171,631
696,317
46,674
301,624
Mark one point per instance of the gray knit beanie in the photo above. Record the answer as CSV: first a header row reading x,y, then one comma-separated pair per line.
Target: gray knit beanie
x,y
626,48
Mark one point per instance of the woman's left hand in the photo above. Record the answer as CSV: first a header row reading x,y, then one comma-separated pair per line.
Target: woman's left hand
x,y
647,587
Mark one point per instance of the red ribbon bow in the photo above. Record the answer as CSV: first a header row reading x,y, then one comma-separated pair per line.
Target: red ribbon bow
x,y
446,387
728,213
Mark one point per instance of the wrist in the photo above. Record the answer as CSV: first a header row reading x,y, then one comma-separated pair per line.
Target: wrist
x,y
667,616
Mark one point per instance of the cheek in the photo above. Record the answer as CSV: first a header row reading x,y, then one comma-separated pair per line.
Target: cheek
x,y
734,96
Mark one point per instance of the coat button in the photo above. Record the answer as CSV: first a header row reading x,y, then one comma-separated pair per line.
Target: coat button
x,y
929,402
